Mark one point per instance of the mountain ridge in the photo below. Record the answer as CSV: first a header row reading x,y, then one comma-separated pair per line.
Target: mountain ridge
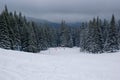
x,y
53,24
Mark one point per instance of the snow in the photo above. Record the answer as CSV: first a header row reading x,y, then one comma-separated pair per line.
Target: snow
x,y
59,64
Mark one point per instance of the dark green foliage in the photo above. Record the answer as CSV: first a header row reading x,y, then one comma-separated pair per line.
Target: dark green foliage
x,y
31,40
16,33
4,34
66,39
99,37
111,42
95,36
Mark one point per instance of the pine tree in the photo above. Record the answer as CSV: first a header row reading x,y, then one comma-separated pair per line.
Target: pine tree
x,y
36,32
98,37
64,34
4,33
93,41
77,37
118,33
32,42
16,29
43,40
83,37
9,22
111,42
70,38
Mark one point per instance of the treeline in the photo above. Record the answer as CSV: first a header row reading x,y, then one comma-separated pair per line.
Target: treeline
x,y
17,33
95,36
100,36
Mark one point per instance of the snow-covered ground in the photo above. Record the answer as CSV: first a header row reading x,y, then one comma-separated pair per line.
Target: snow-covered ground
x,y
59,64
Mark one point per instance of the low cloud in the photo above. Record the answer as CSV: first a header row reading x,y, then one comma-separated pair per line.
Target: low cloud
x,y
70,10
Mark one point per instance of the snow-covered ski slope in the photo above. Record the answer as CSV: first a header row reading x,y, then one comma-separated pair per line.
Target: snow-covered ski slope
x,y
59,64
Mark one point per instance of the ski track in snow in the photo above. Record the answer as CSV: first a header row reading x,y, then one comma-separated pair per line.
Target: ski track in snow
x,y
59,64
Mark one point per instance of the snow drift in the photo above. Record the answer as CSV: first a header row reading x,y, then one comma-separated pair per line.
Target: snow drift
x,y
59,64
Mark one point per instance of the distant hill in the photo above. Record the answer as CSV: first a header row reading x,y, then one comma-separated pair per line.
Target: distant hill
x,y
42,22
74,24
53,24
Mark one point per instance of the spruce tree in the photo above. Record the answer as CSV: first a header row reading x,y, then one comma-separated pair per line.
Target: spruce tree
x,y
4,33
32,42
111,44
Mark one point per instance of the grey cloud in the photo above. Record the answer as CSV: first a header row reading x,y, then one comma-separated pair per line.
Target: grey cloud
x,y
71,10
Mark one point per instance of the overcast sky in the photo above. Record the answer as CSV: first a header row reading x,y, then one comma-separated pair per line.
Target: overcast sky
x,y
69,10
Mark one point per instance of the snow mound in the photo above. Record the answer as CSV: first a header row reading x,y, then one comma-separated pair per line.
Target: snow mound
x,y
59,64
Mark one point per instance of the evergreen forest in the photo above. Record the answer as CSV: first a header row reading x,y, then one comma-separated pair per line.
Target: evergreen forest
x,y
93,36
